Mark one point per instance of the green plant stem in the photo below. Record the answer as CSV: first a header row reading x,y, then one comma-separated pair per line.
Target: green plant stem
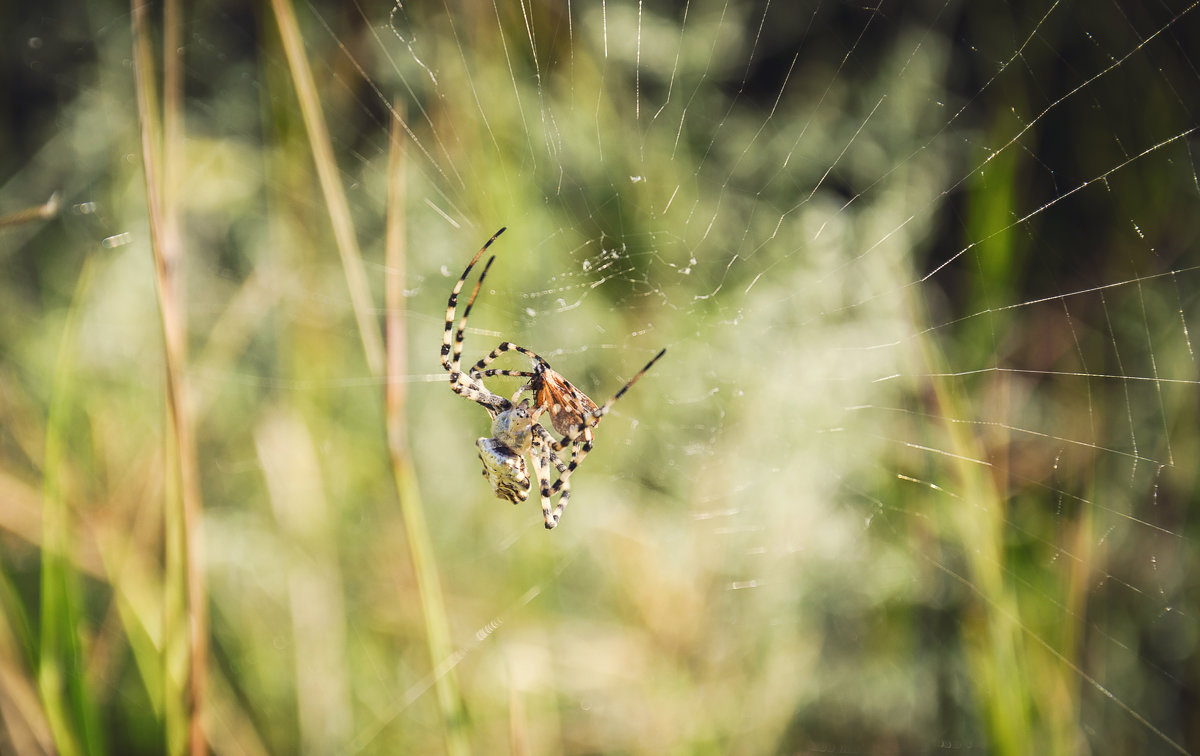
x,y
61,680
185,618
331,186
424,561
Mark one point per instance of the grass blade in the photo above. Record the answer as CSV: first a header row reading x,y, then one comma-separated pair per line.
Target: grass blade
x,y
331,186
61,680
185,619
437,631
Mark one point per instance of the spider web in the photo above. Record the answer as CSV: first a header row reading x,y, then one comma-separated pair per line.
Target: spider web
x,y
917,469
927,344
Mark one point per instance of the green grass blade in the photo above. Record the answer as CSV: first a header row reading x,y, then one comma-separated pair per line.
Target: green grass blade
x,y
69,705
412,509
331,186
185,618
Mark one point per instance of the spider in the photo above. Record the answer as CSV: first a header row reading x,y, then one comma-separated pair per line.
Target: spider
x,y
516,430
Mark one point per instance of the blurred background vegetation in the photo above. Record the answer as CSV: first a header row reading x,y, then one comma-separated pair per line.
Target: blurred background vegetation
x,y
916,473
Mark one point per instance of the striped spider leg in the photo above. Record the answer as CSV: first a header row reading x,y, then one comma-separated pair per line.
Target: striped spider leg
x,y
566,404
516,430
572,413
579,437
514,424
451,355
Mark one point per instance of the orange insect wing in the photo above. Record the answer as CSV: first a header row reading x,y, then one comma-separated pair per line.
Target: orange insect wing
x,y
567,404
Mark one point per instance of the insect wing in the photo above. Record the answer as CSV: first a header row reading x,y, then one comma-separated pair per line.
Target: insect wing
x,y
567,404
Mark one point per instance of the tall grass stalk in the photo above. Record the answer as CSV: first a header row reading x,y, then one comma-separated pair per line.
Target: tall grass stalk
x,y
996,651
68,706
23,714
292,466
185,620
437,630
1021,705
331,186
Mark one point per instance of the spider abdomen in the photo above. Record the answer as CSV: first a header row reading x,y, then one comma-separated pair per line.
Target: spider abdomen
x,y
505,470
